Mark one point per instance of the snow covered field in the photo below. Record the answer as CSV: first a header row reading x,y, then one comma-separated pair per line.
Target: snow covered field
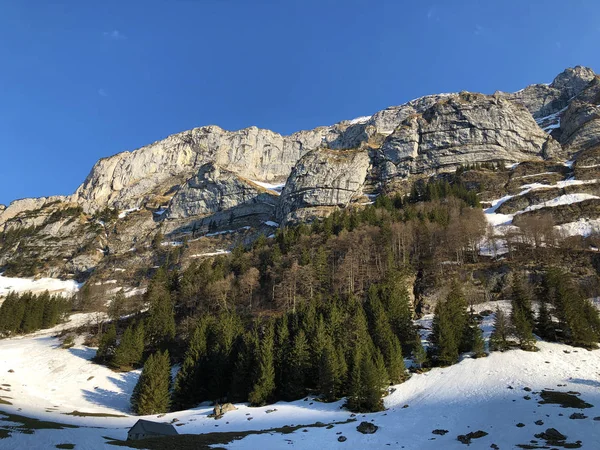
x,y
53,285
41,380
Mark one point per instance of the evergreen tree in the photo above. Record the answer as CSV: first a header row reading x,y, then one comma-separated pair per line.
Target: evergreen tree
x,y
130,349
151,393
124,353
398,306
450,329
282,351
544,325
107,345
264,379
161,318
188,389
384,338
419,354
499,336
298,368
331,372
522,315
575,320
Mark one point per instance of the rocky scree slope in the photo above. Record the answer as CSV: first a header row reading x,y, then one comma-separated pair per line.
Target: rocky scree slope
x,y
212,181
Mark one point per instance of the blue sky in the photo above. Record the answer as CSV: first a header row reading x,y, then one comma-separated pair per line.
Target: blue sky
x,y
81,80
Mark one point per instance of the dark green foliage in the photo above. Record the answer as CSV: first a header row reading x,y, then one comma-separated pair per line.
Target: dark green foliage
x,y
298,365
128,353
544,325
578,321
419,354
474,337
368,380
438,189
384,338
26,313
522,314
332,371
188,388
107,345
160,326
499,336
151,393
263,388
449,330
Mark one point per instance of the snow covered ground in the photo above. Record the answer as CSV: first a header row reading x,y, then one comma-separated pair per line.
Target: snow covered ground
x,y
501,224
275,188
53,285
44,381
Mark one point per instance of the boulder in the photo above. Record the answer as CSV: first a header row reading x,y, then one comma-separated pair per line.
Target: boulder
x,y
367,428
220,410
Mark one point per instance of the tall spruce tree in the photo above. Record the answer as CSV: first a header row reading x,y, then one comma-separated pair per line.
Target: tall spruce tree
x,y
419,354
160,326
544,326
107,345
151,394
331,371
263,387
298,368
188,389
522,314
500,333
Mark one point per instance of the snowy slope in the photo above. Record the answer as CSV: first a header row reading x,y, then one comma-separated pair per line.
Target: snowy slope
x,y
47,382
53,285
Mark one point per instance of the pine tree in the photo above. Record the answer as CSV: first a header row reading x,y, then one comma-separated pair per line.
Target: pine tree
x,y
107,345
282,351
544,325
139,343
123,358
499,336
151,393
384,338
264,379
331,372
188,389
522,315
444,336
298,367
398,306
569,306
161,319
419,354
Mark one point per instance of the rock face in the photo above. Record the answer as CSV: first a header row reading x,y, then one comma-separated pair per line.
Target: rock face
x,y
542,100
213,189
321,180
462,130
125,180
206,178
27,204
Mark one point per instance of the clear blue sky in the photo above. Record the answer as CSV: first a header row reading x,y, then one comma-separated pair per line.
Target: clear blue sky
x,y
81,80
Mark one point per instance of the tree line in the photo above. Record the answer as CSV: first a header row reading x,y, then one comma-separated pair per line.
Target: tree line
x,y
27,312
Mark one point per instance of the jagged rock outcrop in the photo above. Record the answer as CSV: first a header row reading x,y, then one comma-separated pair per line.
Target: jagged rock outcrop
x,y
26,204
212,190
463,130
125,180
543,99
322,180
204,179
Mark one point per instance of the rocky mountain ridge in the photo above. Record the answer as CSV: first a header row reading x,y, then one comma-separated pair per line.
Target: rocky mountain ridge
x,y
209,180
